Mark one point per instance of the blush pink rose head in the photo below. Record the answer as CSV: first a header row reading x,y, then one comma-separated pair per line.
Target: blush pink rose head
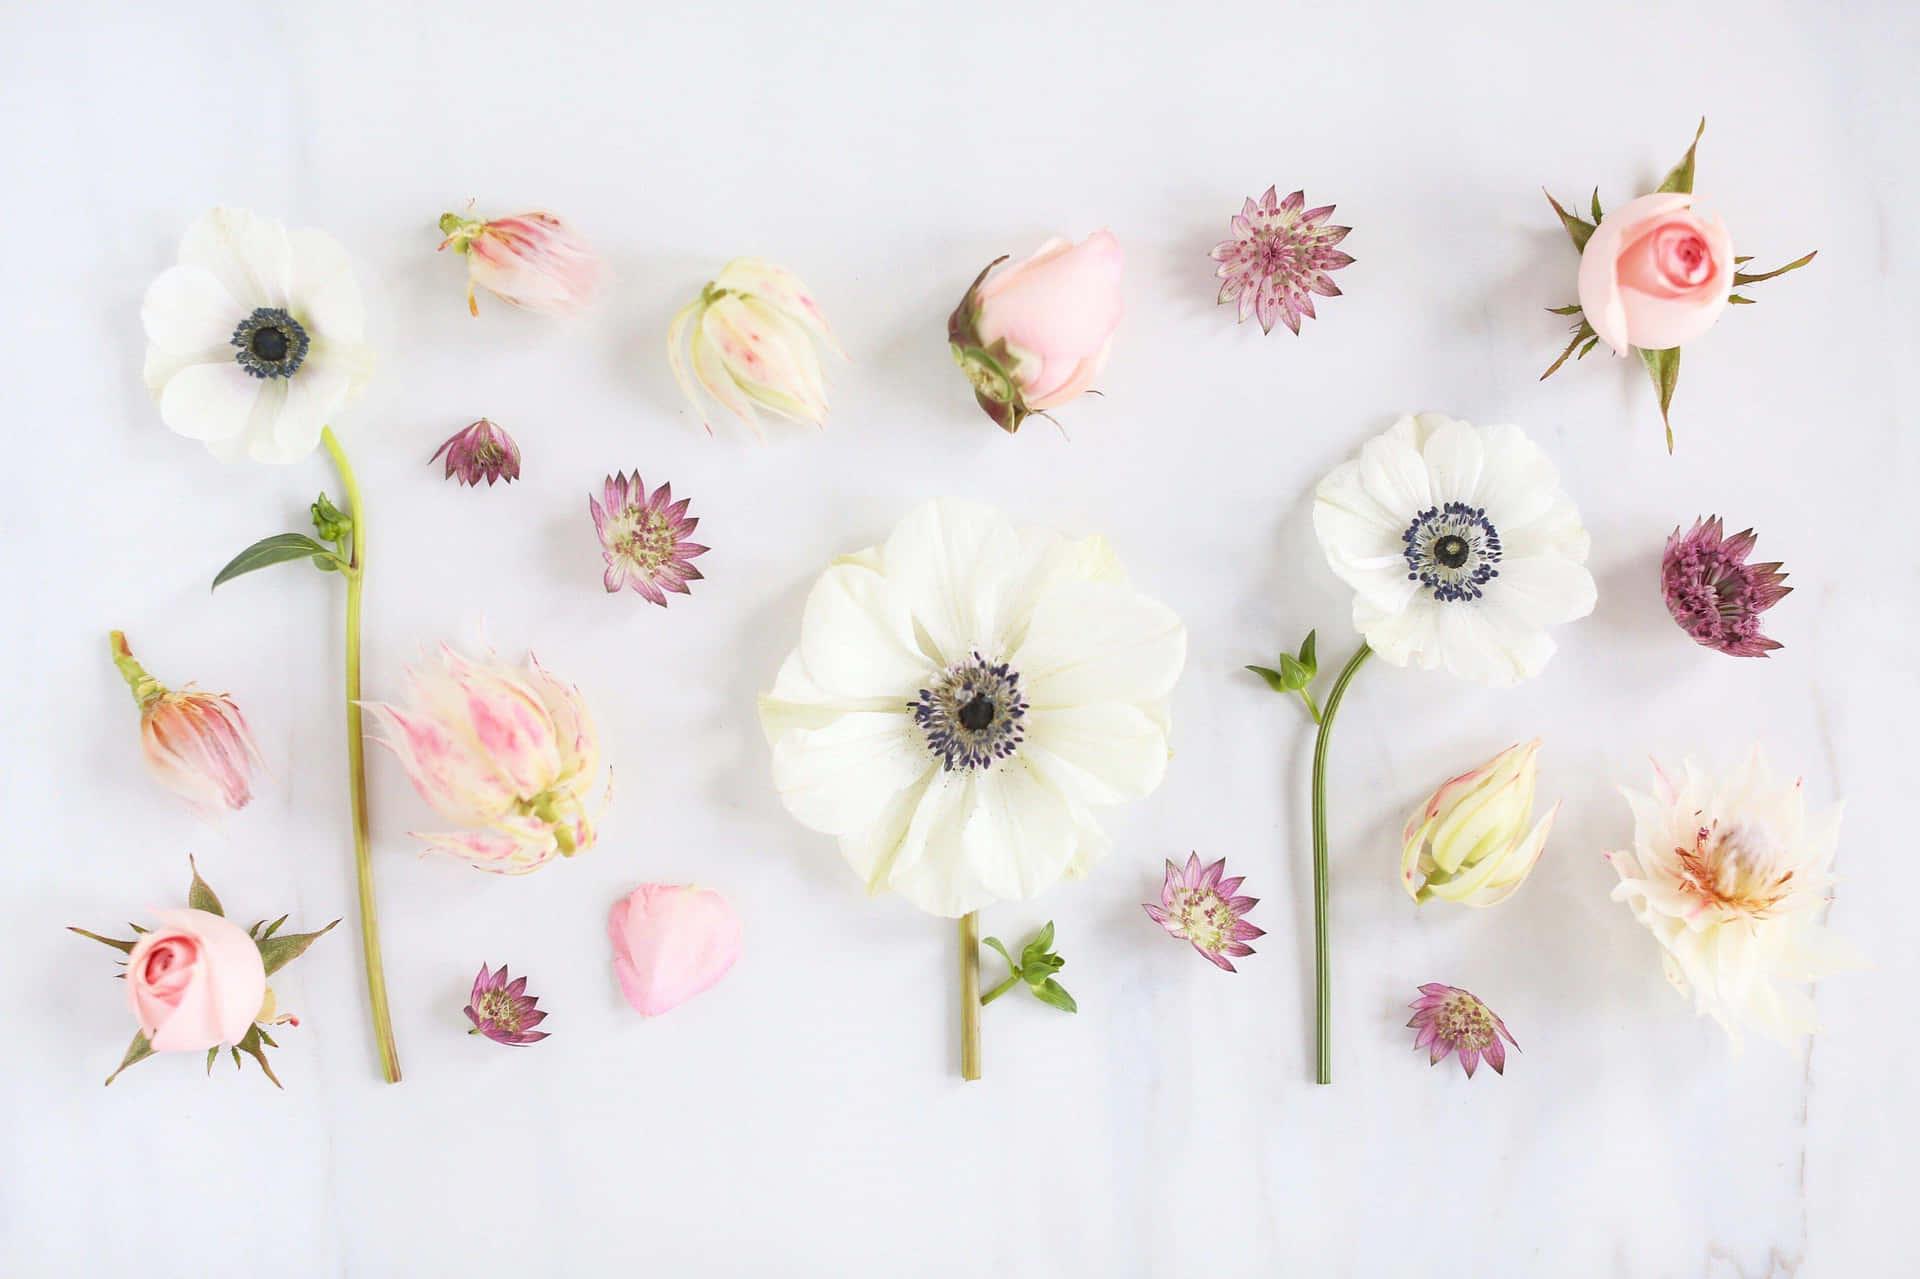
x,y
195,982
1655,273
1057,312
671,942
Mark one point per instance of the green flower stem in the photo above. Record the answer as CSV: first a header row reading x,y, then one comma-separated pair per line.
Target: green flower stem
x,y
970,996
355,573
1013,979
143,686
1322,984
1313,707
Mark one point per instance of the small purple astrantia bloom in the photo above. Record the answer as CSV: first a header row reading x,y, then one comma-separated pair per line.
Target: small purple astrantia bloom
x,y
502,1010
643,538
1715,595
1451,1020
481,452
1278,258
1197,905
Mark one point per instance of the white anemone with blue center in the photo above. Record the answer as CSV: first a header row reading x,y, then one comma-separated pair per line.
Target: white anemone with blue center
x,y
964,698
1460,545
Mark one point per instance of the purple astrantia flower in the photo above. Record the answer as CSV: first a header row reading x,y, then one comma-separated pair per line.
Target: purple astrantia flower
x,y
502,1010
481,452
1278,258
1715,595
643,538
1197,905
1451,1020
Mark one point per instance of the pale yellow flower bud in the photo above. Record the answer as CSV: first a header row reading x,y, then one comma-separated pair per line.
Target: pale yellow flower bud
x,y
1469,841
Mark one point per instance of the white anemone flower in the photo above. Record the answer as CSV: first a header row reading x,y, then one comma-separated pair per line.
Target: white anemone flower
x,y
256,339
1460,545
964,696
1732,879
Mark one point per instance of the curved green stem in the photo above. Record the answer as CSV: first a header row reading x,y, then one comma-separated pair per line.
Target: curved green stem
x,y
1005,986
355,573
1322,985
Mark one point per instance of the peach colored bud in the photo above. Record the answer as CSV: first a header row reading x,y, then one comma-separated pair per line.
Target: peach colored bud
x,y
197,745
531,260
510,752
670,942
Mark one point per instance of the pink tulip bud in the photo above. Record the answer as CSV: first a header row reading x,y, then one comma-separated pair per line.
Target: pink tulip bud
x,y
510,752
670,942
530,260
1034,335
196,744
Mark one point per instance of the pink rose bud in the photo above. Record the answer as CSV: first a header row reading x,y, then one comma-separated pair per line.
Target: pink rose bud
x,y
197,745
1655,274
670,942
195,982
508,751
1031,337
530,260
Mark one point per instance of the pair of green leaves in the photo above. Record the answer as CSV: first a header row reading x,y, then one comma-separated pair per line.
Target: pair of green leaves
x,y
1296,674
1036,967
329,521
1663,366
276,952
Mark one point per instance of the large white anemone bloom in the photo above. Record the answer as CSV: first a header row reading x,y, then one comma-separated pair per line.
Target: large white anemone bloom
x,y
964,696
1460,545
1732,879
256,339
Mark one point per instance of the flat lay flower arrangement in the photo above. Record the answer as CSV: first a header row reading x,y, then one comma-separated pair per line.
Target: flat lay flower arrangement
x,y
972,701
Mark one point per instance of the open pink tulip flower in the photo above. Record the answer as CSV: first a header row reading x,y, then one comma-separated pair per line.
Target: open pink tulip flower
x,y
1034,335
670,943
195,982
509,752
534,261
1655,274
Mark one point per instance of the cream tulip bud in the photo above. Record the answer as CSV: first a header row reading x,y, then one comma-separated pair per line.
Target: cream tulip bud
x,y
1469,841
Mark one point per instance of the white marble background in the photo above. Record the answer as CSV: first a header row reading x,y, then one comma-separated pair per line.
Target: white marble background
x,y
806,1117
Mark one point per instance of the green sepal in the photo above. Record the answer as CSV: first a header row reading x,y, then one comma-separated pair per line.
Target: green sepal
x,y
1597,215
213,1054
1036,949
124,947
1741,277
277,952
251,1045
1054,995
1581,332
277,549
329,521
1664,368
1591,343
1680,176
201,897
1578,228
272,928
1572,308
138,1050
1734,299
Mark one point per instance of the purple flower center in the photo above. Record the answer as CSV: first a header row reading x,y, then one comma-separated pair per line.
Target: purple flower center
x,y
971,713
1452,550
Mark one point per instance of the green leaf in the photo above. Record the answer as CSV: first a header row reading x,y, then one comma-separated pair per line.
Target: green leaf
x,y
277,952
1275,680
251,1046
269,551
1741,277
1053,994
1597,215
1578,228
1293,675
124,947
199,896
138,1050
1581,333
1664,368
1740,261
1680,176
1572,308
1000,946
1308,658
1036,950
